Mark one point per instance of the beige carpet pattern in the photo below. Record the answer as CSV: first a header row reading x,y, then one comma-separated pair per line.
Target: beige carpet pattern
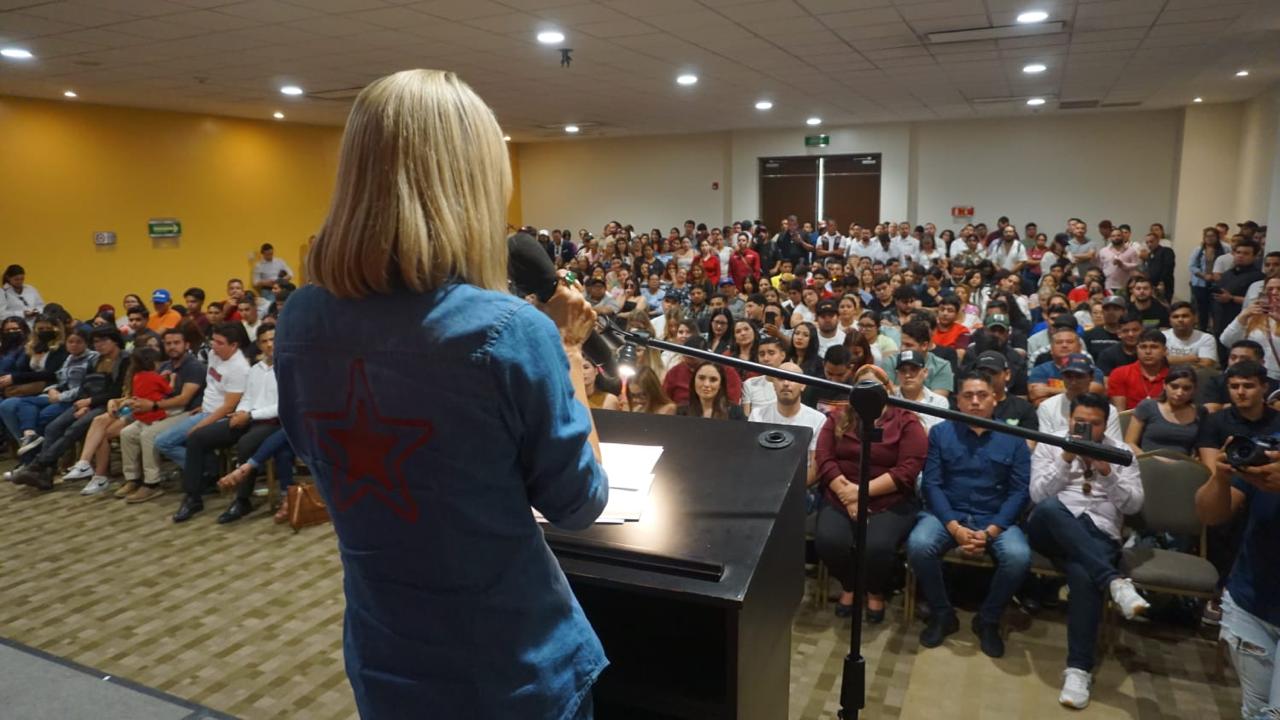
x,y
247,619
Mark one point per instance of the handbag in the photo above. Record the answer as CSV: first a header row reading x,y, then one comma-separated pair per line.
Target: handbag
x,y
25,389
306,507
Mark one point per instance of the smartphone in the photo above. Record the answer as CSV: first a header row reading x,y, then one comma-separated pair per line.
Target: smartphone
x,y
771,318
1082,430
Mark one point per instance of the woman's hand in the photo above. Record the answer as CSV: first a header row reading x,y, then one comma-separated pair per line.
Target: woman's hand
x,y
571,312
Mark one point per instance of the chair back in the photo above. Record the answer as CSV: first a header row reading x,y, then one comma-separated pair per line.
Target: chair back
x,y
1124,419
1169,495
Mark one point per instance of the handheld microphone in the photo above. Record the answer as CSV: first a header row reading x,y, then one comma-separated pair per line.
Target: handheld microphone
x,y
531,272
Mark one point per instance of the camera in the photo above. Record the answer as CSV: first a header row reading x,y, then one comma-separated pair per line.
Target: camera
x,y
1250,452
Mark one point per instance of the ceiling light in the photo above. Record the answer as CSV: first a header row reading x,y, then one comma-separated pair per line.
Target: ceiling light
x,y
506,138
291,90
69,93
571,129
1197,99
1242,73
1033,16
550,37
277,115
1035,102
813,121
687,79
1034,68
14,53
764,105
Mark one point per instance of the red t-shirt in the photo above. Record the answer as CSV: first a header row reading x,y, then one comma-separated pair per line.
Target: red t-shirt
x,y
1129,382
149,385
957,336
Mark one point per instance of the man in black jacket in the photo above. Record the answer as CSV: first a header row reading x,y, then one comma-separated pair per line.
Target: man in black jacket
x,y
1160,263
106,381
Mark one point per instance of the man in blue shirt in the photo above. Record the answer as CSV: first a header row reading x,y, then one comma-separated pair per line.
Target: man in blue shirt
x,y
975,487
1251,601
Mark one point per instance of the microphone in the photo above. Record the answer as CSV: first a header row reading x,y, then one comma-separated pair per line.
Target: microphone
x,y
531,271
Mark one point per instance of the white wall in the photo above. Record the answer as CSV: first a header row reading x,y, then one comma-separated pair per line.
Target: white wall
x,y
1259,160
646,181
1207,177
1049,168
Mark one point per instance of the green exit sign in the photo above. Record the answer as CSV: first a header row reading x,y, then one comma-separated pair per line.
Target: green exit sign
x,y
817,140
164,228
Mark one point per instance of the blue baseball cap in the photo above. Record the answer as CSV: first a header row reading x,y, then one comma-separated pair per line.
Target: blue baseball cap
x,y
160,296
1078,363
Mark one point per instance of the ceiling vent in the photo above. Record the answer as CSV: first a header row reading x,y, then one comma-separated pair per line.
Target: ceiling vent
x,y
1003,32
338,95
1122,104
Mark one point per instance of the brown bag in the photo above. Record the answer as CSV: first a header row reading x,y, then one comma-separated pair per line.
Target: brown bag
x,y
25,389
306,507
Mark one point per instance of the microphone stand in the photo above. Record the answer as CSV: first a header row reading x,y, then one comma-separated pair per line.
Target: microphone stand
x,y
868,399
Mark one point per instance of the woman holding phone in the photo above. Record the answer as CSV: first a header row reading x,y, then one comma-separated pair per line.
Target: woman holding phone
x,y
1260,322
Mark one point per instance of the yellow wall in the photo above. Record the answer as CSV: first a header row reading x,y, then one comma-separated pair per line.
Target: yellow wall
x,y
514,208
70,169
67,170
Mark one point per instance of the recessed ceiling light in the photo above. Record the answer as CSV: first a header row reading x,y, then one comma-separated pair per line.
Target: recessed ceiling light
x,y
813,121
1242,73
14,53
687,79
571,129
1197,99
291,90
1034,68
506,138
550,37
277,115
764,105
1035,102
1033,16
69,93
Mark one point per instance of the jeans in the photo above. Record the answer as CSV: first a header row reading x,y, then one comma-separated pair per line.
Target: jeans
x,y
1254,645
929,541
265,442
172,443
34,412
1087,556
62,432
834,540
1203,299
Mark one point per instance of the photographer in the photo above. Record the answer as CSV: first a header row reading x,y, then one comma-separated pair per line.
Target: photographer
x,y
1251,601
1080,506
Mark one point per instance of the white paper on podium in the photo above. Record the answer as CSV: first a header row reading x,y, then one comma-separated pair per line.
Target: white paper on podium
x,y
630,472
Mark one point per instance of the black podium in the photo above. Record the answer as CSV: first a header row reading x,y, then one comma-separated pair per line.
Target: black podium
x,y
694,602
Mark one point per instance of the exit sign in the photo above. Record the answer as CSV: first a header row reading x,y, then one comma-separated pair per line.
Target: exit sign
x,y
817,140
164,228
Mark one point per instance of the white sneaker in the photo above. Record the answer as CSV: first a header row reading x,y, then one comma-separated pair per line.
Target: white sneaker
x,y
1075,688
98,484
79,471
30,442
1124,595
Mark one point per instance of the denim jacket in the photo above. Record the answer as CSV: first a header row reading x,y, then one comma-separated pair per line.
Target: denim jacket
x,y
432,422
977,480
72,373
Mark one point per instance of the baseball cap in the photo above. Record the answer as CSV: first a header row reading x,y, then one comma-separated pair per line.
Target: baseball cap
x,y
827,306
1114,300
995,320
726,281
1078,363
544,232
992,360
107,307
160,296
910,357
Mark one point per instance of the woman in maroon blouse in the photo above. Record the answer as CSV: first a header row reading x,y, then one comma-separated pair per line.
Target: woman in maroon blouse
x,y
891,512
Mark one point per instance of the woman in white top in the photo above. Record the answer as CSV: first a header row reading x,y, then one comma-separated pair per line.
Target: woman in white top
x,y
18,298
807,310
1259,323
929,252
685,255
882,345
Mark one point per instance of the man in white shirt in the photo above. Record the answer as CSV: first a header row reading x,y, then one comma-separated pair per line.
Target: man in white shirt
x,y
250,318
1008,253
268,271
907,245
912,373
758,392
788,410
225,382
1054,414
256,418
830,243
1186,344
1080,506
828,320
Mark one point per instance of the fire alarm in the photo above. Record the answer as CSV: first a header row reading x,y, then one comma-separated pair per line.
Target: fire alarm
x,y
715,186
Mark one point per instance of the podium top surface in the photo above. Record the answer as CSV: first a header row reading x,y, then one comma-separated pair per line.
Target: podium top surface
x,y
715,496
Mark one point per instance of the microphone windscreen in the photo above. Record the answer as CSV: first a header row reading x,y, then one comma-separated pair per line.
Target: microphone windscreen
x,y
529,267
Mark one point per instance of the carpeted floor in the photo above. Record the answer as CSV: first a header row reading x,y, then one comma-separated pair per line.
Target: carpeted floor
x,y
246,619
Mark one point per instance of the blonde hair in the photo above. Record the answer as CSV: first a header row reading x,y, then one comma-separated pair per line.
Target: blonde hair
x,y
422,190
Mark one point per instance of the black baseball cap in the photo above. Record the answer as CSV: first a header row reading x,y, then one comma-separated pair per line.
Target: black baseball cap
x,y
911,357
827,306
992,360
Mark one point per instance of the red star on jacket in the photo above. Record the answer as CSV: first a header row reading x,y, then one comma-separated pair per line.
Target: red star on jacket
x,y
367,449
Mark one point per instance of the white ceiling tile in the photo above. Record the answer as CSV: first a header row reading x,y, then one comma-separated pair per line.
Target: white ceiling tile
x,y
861,18
767,10
941,9
266,11
818,7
